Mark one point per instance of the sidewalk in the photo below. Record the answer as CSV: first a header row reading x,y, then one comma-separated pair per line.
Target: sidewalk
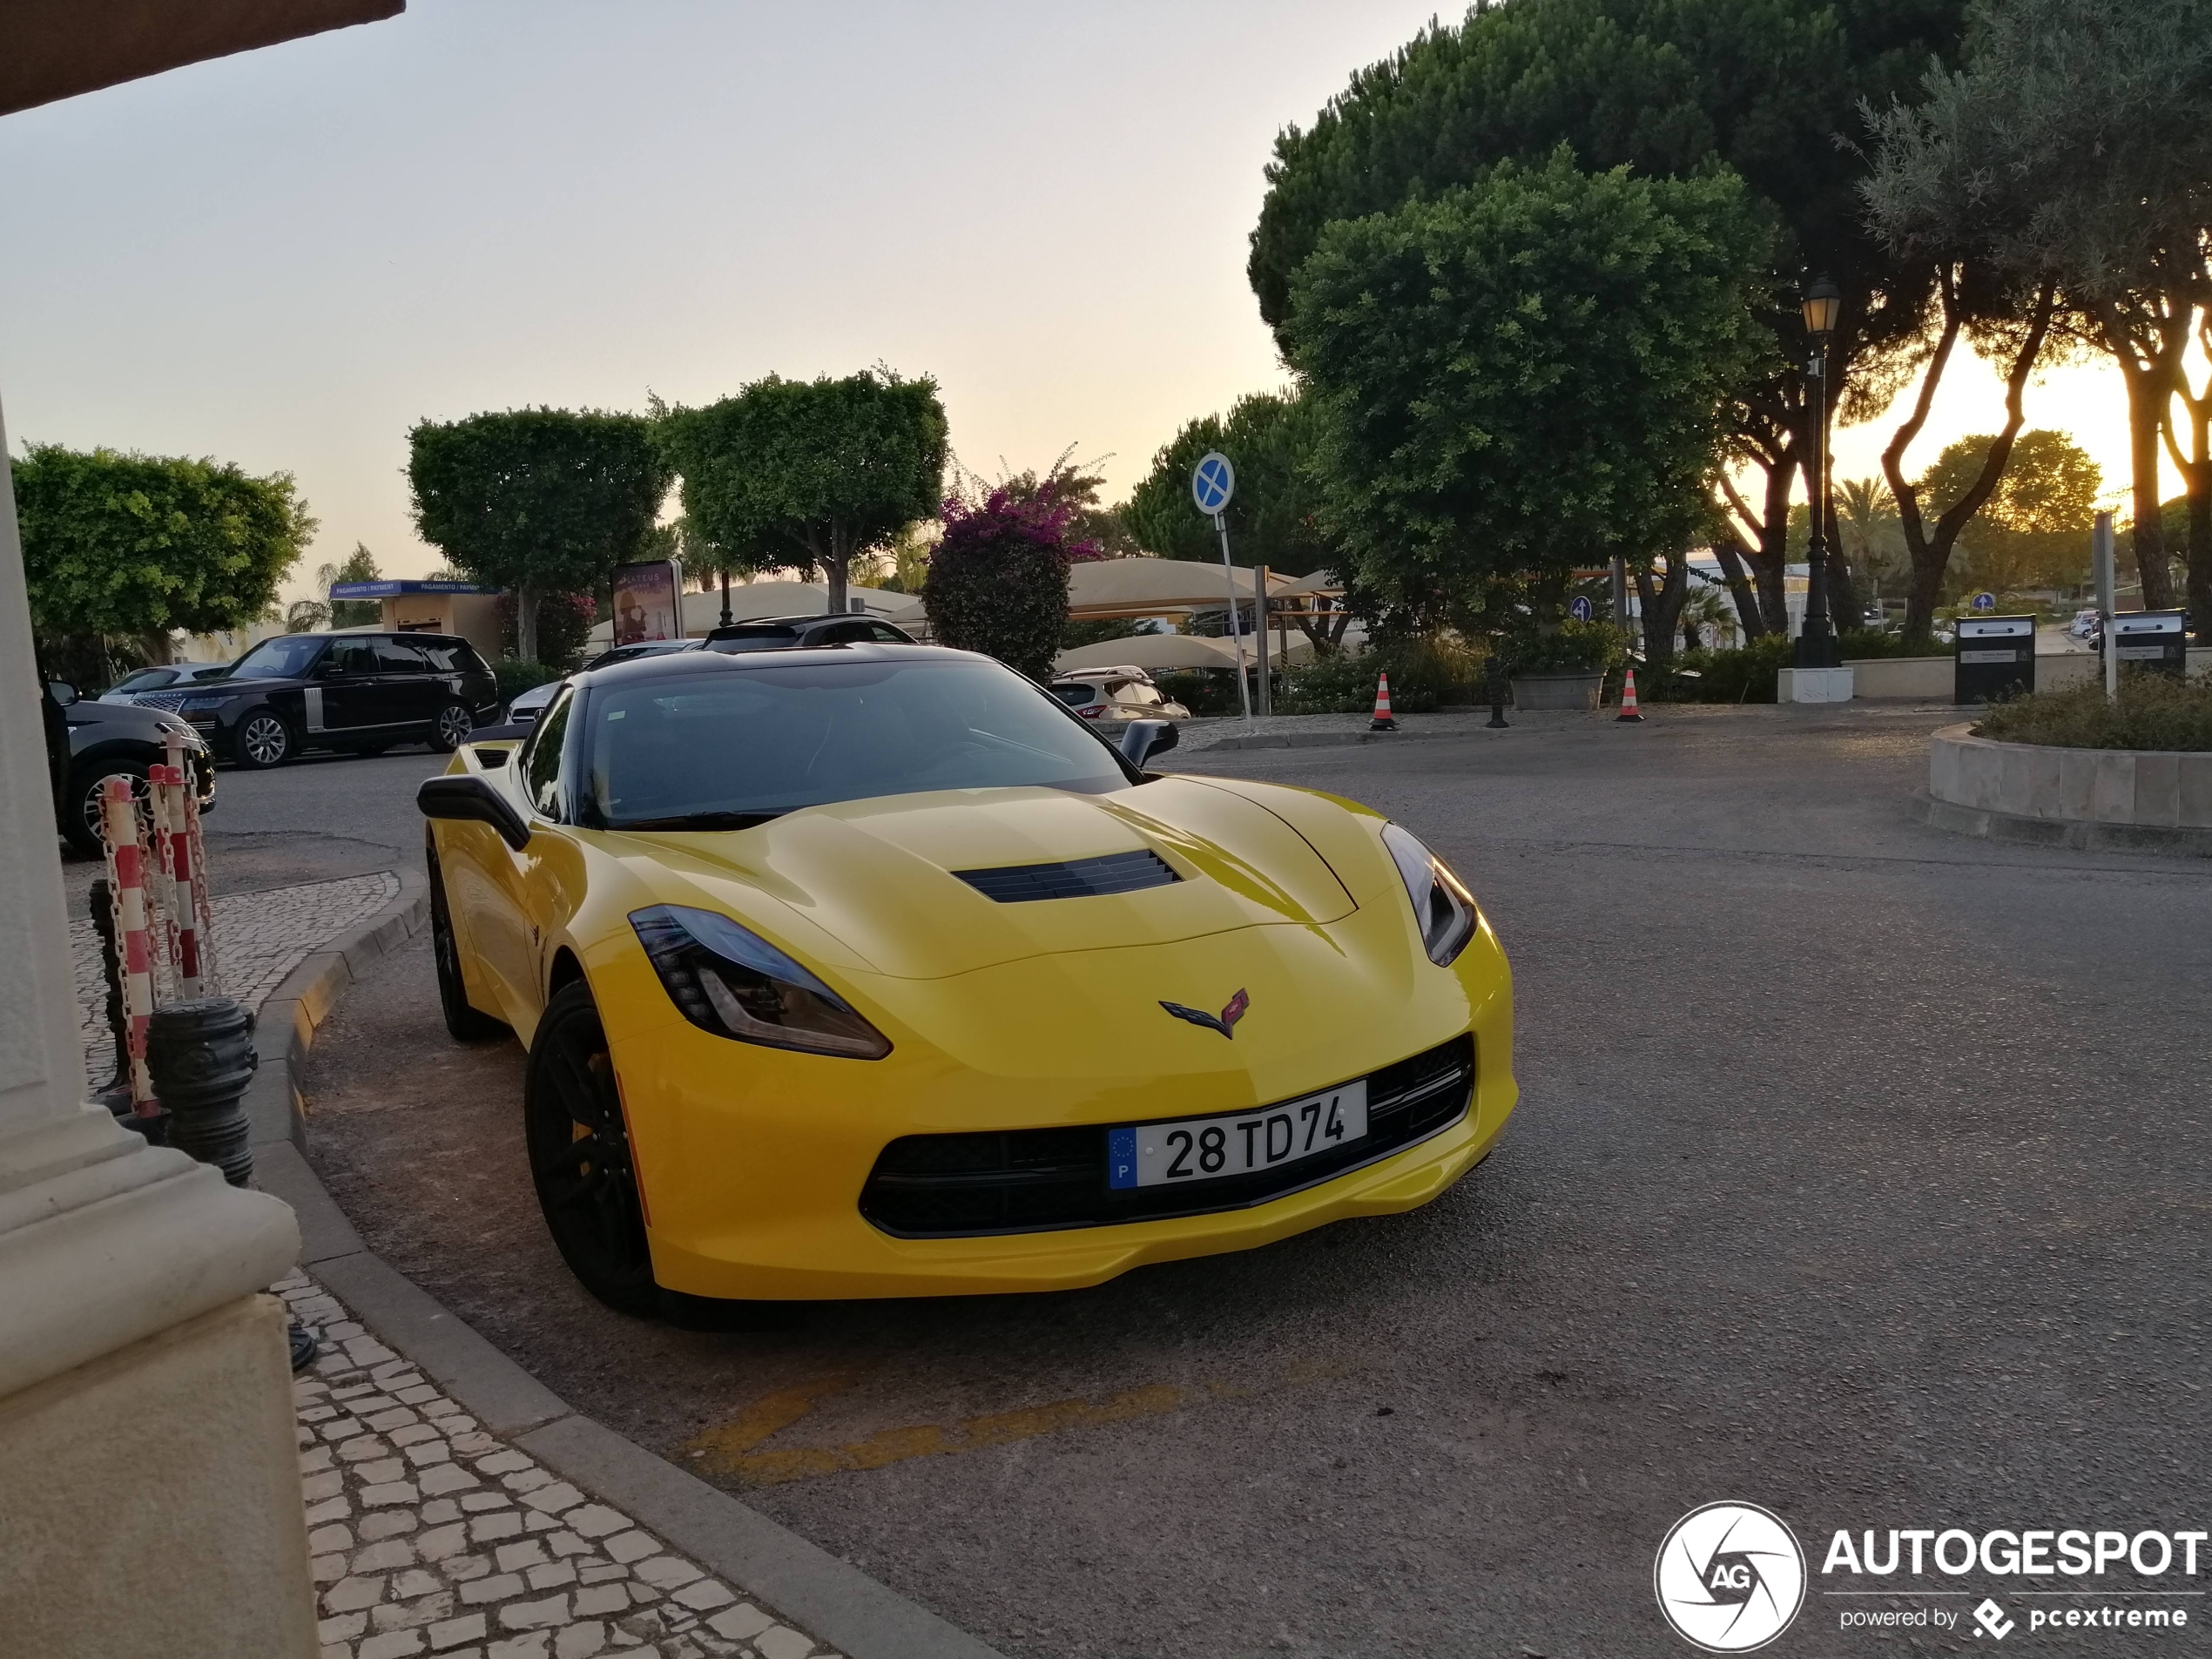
x,y
432,1536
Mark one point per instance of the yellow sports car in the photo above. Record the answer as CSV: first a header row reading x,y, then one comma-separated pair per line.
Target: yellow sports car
x,y
870,970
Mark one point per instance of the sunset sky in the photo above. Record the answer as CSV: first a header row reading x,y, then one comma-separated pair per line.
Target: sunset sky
x,y
285,258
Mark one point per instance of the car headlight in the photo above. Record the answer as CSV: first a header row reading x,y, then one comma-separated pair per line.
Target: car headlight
x,y
734,983
206,701
1442,905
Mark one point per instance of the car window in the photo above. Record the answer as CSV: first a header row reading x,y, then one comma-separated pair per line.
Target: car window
x,y
399,657
1074,696
755,639
767,740
210,671
350,657
542,761
883,634
286,657
444,656
146,680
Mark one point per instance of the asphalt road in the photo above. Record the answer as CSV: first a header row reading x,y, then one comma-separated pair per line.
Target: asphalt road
x,y
1859,1173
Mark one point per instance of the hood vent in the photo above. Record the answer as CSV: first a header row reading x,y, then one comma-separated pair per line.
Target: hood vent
x,y
1078,879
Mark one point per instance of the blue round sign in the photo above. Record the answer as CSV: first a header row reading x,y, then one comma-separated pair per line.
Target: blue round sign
x,y
1985,602
1580,608
1213,481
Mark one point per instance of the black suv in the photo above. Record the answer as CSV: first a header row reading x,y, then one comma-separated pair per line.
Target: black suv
x,y
362,692
89,743
795,633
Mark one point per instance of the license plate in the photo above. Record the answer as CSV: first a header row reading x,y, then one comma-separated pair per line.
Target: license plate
x,y
1190,1149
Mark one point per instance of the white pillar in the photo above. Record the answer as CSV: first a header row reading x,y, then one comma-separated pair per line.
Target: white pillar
x,y
149,1485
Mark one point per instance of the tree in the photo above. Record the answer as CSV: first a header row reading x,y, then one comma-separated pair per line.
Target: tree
x,y
806,476
1669,87
998,577
142,545
2072,151
2034,530
542,502
1524,376
360,566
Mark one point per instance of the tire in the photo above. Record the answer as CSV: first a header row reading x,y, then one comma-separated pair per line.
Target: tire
x,y
579,1153
451,729
81,821
264,740
466,1023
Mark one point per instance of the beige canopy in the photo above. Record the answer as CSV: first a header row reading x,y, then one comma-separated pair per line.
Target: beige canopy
x,y
1142,587
749,600
1160,653
1319,581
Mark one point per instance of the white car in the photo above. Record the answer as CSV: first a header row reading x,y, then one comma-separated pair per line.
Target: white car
x,y
528,705
1116,694
2085,623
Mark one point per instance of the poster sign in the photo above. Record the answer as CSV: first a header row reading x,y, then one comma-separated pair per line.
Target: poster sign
x,y
645,601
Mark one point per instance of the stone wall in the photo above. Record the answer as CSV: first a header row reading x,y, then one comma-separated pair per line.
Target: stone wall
x,y
2119,786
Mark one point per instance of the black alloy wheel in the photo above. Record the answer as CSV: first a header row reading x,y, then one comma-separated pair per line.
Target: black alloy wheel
x,y
464,1021
452,727
81,828
579,1153
264,740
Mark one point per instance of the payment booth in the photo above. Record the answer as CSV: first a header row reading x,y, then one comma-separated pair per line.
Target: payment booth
x,y
2156,640
412,607
1996,659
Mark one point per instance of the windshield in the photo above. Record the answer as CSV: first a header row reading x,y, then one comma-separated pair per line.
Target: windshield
x,y
287,657
717,750
144,680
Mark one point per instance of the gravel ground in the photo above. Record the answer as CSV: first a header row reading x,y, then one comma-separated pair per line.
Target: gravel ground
x,y
1859,1174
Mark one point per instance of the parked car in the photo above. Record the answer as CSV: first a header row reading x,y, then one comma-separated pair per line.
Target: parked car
x,y
1113,694
794,633
88,742
528,705
357,692
155,679
2087,623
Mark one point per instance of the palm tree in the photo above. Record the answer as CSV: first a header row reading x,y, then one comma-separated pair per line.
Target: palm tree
x,y
1872,535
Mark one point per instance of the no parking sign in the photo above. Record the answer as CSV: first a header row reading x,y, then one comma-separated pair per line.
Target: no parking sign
x,y
1213,481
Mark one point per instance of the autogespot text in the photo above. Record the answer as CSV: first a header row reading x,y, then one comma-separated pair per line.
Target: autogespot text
x,y
2126,1581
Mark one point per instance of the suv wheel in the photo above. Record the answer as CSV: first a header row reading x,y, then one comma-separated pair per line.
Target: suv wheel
x,y
81,824
452,728
264,740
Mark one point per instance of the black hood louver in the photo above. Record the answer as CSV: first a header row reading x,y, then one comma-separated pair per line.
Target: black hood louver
x,y
1077,878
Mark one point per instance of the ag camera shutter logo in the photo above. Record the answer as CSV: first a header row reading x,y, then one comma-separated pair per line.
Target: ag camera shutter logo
x,y
1730,1577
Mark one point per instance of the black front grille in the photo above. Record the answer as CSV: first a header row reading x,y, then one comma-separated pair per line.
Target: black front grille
x,y
1033,1180
1078,879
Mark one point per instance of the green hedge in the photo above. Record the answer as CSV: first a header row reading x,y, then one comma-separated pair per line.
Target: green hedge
x,y
2153,711
1424,675
516,677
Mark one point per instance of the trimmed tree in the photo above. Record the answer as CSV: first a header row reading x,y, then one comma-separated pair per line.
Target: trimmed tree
x,y
998,577
807,475
140,545
1524,376
541,501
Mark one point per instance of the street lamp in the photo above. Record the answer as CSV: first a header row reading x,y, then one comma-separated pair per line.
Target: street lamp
x,y
1820,303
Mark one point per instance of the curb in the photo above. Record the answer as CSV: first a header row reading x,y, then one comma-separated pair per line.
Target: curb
x,y
832,1600
1311,739
303,1002
2079,835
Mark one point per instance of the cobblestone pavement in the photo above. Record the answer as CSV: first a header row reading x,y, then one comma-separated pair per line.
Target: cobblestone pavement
x,y
259,938
430,1537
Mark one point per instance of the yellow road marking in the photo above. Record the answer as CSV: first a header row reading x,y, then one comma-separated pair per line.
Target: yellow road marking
x,y
734,1447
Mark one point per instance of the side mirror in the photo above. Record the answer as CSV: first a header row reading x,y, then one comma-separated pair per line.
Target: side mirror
x,y
1142,740
469,798
61,691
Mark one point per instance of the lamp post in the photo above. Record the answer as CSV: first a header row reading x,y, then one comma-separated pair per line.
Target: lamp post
x,y
1820,303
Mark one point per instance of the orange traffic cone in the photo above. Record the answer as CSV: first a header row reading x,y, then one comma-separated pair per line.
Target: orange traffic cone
x,y
1629,700
1382,722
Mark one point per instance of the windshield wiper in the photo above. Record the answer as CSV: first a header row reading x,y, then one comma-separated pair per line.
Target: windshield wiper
x,y
699,821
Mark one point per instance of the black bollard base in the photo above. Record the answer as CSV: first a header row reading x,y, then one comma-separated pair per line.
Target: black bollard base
x,y
201,1055
154,1128
306,1342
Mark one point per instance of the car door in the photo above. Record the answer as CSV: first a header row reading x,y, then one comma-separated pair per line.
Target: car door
x,y
341,698
409,696
503,912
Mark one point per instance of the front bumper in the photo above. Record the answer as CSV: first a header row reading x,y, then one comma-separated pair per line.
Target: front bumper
x,y
753,1163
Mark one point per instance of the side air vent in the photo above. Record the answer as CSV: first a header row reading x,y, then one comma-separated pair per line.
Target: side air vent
x,y
1078,879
